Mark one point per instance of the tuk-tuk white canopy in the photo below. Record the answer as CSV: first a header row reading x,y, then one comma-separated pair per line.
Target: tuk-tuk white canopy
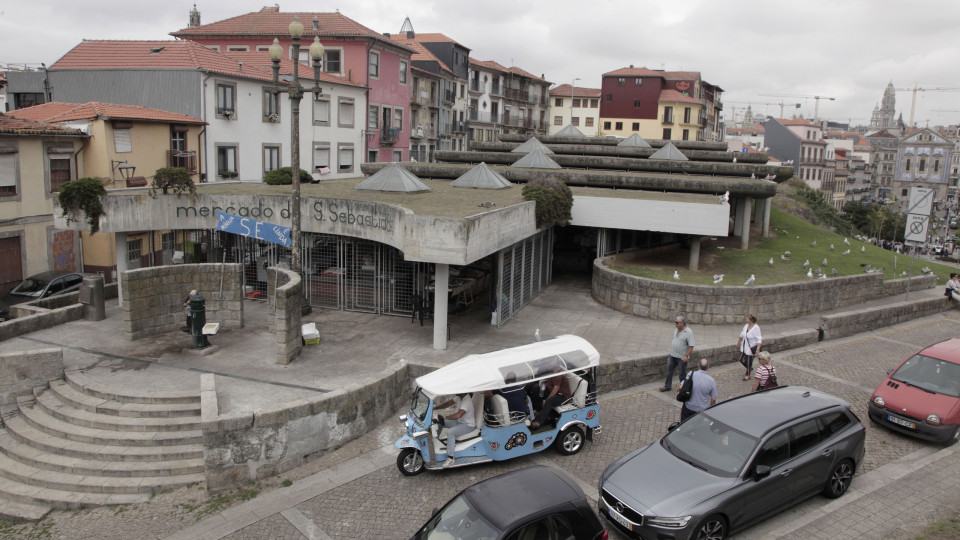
x,y
506,367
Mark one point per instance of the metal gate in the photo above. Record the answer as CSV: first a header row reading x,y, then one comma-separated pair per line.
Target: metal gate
x,y
525,270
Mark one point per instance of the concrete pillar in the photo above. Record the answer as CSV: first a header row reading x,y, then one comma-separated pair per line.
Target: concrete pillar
x,y
120,250
441,282
694,254
767,203
745,226
739,215
757,211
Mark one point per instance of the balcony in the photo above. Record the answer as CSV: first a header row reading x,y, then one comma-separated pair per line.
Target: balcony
x,y
458,127
495,89
388,136
475,86
182,159
449,96
513,93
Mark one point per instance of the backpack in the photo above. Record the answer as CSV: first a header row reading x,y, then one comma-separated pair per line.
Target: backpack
x,y
771,381
686,389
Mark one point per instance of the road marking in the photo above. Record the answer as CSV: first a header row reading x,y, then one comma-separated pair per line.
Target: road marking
x,y
303,524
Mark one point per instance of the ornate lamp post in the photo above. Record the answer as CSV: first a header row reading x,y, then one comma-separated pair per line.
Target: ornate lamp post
x,y
295,91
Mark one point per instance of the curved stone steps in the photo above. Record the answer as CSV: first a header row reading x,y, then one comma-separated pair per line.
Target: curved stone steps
x,y
28,455
86,385
80,400
21,511
80,417
26,474
25,433
37,417
12,490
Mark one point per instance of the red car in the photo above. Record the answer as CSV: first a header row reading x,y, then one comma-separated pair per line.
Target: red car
x,y
922,396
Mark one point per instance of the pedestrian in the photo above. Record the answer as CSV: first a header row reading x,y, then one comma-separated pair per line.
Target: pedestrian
x,y
749,344
704,393
186,307
953,287
680,350
766,375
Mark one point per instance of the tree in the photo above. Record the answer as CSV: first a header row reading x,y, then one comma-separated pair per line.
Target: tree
x,y
554,201
284,175
176,178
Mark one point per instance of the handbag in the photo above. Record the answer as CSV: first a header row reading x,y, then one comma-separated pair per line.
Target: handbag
x,y
771,381
686,389
743,355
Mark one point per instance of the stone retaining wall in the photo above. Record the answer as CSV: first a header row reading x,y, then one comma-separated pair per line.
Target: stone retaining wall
x,y
853,322
712,304
284,291
21,372
47,312
153,297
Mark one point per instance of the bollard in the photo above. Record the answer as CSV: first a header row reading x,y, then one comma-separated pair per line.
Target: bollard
x,y
198,318
91,296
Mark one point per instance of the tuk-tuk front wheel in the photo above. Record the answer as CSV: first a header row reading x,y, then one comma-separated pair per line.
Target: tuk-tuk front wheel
x,y
570,440
410,462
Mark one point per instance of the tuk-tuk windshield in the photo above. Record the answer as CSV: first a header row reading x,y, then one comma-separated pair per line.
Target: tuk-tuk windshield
x,y
421,404
457,520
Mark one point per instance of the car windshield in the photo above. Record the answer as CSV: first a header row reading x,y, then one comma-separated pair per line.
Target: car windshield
x,y
457,520
930,374
421,404
30,287
710,445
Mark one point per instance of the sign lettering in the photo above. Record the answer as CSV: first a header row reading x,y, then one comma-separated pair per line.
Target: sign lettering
x,y
252,228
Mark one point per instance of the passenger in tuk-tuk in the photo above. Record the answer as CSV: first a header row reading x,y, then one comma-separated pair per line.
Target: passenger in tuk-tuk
x,y
515,395
557,391
458,423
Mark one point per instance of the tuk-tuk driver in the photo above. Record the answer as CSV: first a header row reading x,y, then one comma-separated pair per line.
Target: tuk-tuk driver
x,y
458,423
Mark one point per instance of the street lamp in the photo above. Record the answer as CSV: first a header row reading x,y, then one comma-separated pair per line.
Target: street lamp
x,y
295,91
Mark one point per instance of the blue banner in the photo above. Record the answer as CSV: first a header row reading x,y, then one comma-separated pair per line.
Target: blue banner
x,y
252,228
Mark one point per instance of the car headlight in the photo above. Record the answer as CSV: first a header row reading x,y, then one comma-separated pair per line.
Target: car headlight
x,y
878,401
933,419
669,522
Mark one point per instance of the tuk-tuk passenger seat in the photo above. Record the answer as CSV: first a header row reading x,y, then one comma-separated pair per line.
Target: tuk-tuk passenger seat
x,y
499,411
579,388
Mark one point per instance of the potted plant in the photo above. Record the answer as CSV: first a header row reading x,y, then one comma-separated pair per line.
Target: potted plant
x,y
175,178
83,195
273,117
230,114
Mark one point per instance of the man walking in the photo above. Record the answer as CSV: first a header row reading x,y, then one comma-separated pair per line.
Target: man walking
x,y
680,351
704,392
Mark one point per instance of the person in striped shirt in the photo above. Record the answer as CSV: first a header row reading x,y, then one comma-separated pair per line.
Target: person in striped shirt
x,y
765,373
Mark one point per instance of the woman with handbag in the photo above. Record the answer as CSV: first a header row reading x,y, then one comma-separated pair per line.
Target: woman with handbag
x,y
766,375
749,344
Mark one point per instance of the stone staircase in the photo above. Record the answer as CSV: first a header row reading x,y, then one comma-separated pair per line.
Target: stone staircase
x,y
76,444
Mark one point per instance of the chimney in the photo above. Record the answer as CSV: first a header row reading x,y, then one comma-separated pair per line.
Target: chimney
x,y
316,23
239,66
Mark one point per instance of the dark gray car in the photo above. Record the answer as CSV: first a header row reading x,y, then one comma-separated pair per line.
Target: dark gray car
x,y
37,286
735,464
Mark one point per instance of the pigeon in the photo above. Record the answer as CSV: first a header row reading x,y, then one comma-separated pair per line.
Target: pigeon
x,y
813,244
847,252
784,258
810,273
845,241
770,262
806,263
833,271
717,278
750,279
824,263
725,197
863,248
798,238
832,248
787,253
676,275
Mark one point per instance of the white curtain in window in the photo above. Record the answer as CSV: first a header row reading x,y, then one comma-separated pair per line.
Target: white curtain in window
x,y
8,170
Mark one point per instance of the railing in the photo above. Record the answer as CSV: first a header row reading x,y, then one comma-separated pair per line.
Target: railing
x,y
449,96
484,117
182,159
458,127
389,135
668,119
495,89
513,93
474,86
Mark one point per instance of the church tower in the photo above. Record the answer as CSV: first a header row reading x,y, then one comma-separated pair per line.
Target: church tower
x,y
194,17
888,107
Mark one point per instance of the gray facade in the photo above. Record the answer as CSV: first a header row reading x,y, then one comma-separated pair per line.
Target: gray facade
x,y
457,58
783,143
171,90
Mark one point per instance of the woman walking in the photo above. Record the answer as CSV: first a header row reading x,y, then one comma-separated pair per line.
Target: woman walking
x,y
766,376
749,344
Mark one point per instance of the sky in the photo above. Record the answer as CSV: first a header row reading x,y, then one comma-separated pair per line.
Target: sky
x,y
758,51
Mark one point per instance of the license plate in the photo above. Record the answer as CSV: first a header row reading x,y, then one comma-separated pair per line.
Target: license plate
x,y
619,519
900,422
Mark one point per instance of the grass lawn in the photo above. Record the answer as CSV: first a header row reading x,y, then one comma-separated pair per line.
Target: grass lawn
x,y
789,233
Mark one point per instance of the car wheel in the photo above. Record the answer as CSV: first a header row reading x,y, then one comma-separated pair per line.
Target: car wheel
x,y
839,480
570,440
410,462
712,528
954,438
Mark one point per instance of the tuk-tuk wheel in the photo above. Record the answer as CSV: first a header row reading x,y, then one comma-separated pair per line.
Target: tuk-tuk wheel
x,y
410,462
570,440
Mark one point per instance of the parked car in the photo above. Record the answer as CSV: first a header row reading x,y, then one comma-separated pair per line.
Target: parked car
x,y
735,464
38,286
536,502
921,397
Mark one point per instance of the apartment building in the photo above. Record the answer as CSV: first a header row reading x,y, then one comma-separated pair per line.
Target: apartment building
x,y
574,106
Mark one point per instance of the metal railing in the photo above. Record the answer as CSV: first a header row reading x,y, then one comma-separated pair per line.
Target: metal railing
x,y
183,159
389,135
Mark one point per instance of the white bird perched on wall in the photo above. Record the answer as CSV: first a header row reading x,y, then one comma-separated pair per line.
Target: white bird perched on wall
x,y
845,241
832,248
725,197
770,262
822,276
806,263
717,278
751,279
813,244
847,252
753,176
904,273
676,275
734,159
810,273
833,271
824,263
536,335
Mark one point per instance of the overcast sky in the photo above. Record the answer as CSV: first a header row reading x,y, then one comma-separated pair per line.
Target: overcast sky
x,y
845,49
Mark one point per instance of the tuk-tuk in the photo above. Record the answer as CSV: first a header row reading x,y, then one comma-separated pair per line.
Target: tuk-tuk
x,y
501,434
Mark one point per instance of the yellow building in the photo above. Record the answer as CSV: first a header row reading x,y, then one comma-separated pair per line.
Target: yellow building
x,y
36,158
126,145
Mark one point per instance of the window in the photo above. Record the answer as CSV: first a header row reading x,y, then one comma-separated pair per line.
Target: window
x,y
775,451
238,48
609,97
271,157
668,115
321,111
397,156
666,134
331,60
606,125
906,167
167,242
575,121
59,167
619,126
936,165
594,103
686,134
372,156
636,126
121,140
636,104
558,120
576,102
271,106
9,177
227,161
398,118
903,192
133,249
344,157
403,72
463,89
806,435
226,99
179,156
552,526
373,117
321,158
558,102
621,81
345,116
922,165
588,122
686,115
374,65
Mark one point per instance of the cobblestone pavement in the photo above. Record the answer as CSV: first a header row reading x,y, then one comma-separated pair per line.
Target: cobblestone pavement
x,y
357,492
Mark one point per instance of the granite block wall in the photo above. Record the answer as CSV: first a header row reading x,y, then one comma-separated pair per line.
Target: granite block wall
x,y
21,372
853,322
284,293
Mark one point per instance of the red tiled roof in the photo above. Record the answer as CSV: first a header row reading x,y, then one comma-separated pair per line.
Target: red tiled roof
x,y
21,126
261,60
685,75
795,122
672,96
634,72
269,21
65,112
490,64
564,90
424,72
435,38
95,54
420,52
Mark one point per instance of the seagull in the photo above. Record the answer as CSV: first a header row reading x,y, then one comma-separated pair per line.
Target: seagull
x,y
833,271
770,262
787,253
784,258
904,273
845,241
926,270
806,263
751,279
863,248
734,159
824,263
786,231
822,276
676,275
813,244
832,248
717,278
753,176
810,273
847,252
725,197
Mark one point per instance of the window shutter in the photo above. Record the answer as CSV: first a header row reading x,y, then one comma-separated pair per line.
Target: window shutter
x,y
121,140
8,170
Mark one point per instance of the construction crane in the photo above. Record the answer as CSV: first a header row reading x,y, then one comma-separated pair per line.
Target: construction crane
x,y
778,104
915,89
816,109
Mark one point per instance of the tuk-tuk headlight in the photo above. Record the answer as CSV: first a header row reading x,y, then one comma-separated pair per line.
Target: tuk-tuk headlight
x,y
878,401
933,419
